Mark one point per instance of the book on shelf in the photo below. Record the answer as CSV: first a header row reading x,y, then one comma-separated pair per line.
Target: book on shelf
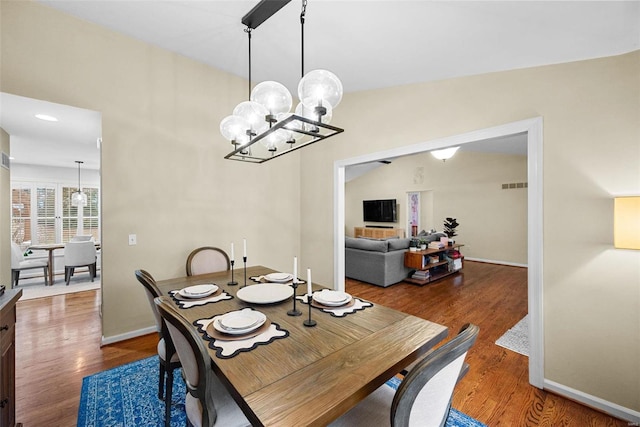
x,y
436,245
421,275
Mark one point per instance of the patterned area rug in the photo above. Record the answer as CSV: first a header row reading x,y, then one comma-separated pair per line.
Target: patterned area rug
x,y
127,396
517,338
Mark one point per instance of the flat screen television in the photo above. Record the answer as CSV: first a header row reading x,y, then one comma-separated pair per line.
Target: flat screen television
x,y
380,210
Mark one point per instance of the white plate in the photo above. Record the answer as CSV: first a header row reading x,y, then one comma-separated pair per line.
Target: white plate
x,y
266,293
198,291
239,322
332,298
278,277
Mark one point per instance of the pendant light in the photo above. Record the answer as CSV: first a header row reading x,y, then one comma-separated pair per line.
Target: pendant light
x,y
266,117
79,198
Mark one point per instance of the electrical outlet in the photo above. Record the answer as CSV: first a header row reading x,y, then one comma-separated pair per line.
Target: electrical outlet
x,y
132,239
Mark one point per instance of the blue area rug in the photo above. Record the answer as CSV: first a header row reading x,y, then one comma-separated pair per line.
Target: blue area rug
x,y
127,396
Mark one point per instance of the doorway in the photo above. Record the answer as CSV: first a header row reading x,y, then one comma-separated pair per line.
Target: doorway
x,y
533,130
47,142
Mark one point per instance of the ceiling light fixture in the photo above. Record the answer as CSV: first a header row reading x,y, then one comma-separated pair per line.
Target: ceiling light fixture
x,y
46,117
266,117
79,198
444,154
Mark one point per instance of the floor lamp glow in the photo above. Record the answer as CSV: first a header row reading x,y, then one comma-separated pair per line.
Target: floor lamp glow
x,y
626,222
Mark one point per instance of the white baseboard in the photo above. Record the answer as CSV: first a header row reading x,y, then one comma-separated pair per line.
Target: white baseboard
x,y
594,402
491,261
127,336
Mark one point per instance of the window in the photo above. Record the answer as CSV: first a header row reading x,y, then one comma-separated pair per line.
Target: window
x,y
43,213
21,214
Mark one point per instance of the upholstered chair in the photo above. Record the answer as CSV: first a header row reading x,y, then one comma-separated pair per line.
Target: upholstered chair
x,y
207,259
168,358
20,263
423,397
207,403
79,254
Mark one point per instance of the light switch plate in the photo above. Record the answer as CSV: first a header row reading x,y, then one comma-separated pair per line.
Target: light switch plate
x,y
132,239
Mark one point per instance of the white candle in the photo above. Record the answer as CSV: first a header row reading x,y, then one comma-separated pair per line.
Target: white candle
x,y
295,269
232,255
244,244
309,290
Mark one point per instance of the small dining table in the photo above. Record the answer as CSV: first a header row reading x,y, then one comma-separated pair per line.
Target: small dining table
x,y
50,247
314,374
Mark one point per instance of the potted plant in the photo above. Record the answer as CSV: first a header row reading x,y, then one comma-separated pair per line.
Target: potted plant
x,y
450,225
423,244
413,245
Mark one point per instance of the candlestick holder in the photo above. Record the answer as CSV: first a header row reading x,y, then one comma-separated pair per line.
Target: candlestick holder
x,y
309,323
232,282
294,311
244,259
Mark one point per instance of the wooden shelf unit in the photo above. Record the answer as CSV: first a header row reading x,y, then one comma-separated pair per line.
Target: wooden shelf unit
x,y
420,260
378,233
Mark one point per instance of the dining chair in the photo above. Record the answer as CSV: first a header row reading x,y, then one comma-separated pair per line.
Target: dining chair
x,y
207,403
167,355
207,259
424,396
19,263
79,254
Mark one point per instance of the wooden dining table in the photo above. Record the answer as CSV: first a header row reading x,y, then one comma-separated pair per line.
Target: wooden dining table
x,y
50,247
314,374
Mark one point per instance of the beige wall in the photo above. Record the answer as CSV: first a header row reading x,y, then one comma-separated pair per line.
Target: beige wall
x,y
163,171
468,187
591,112
5,216
163,176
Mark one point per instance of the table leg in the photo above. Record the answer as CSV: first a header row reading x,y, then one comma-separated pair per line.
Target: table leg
x,y
51,267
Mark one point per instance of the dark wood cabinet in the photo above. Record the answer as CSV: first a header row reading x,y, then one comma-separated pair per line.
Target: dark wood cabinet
x,y
8,357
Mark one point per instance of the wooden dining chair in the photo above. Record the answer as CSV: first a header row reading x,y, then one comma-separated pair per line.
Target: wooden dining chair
x,y
167,355
207,403
424,396
207,259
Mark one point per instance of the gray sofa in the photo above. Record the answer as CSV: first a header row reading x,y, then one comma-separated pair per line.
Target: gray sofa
x,y
379,262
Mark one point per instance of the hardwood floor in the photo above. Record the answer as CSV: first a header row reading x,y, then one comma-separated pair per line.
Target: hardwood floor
x,y
496,390
58,344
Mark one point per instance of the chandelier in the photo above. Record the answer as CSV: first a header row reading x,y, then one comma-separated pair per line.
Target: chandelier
x,y
79,198
264,127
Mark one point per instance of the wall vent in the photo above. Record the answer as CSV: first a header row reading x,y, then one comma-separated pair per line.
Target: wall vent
x,y
5,160
514,185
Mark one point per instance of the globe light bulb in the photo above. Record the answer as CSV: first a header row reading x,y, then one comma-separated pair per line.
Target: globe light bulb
x,y
253,113
310,113
234,128
272,140
273,96
319,88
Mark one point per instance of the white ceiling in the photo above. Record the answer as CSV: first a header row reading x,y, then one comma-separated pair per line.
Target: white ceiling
x,y
33,141
374,44
370,44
